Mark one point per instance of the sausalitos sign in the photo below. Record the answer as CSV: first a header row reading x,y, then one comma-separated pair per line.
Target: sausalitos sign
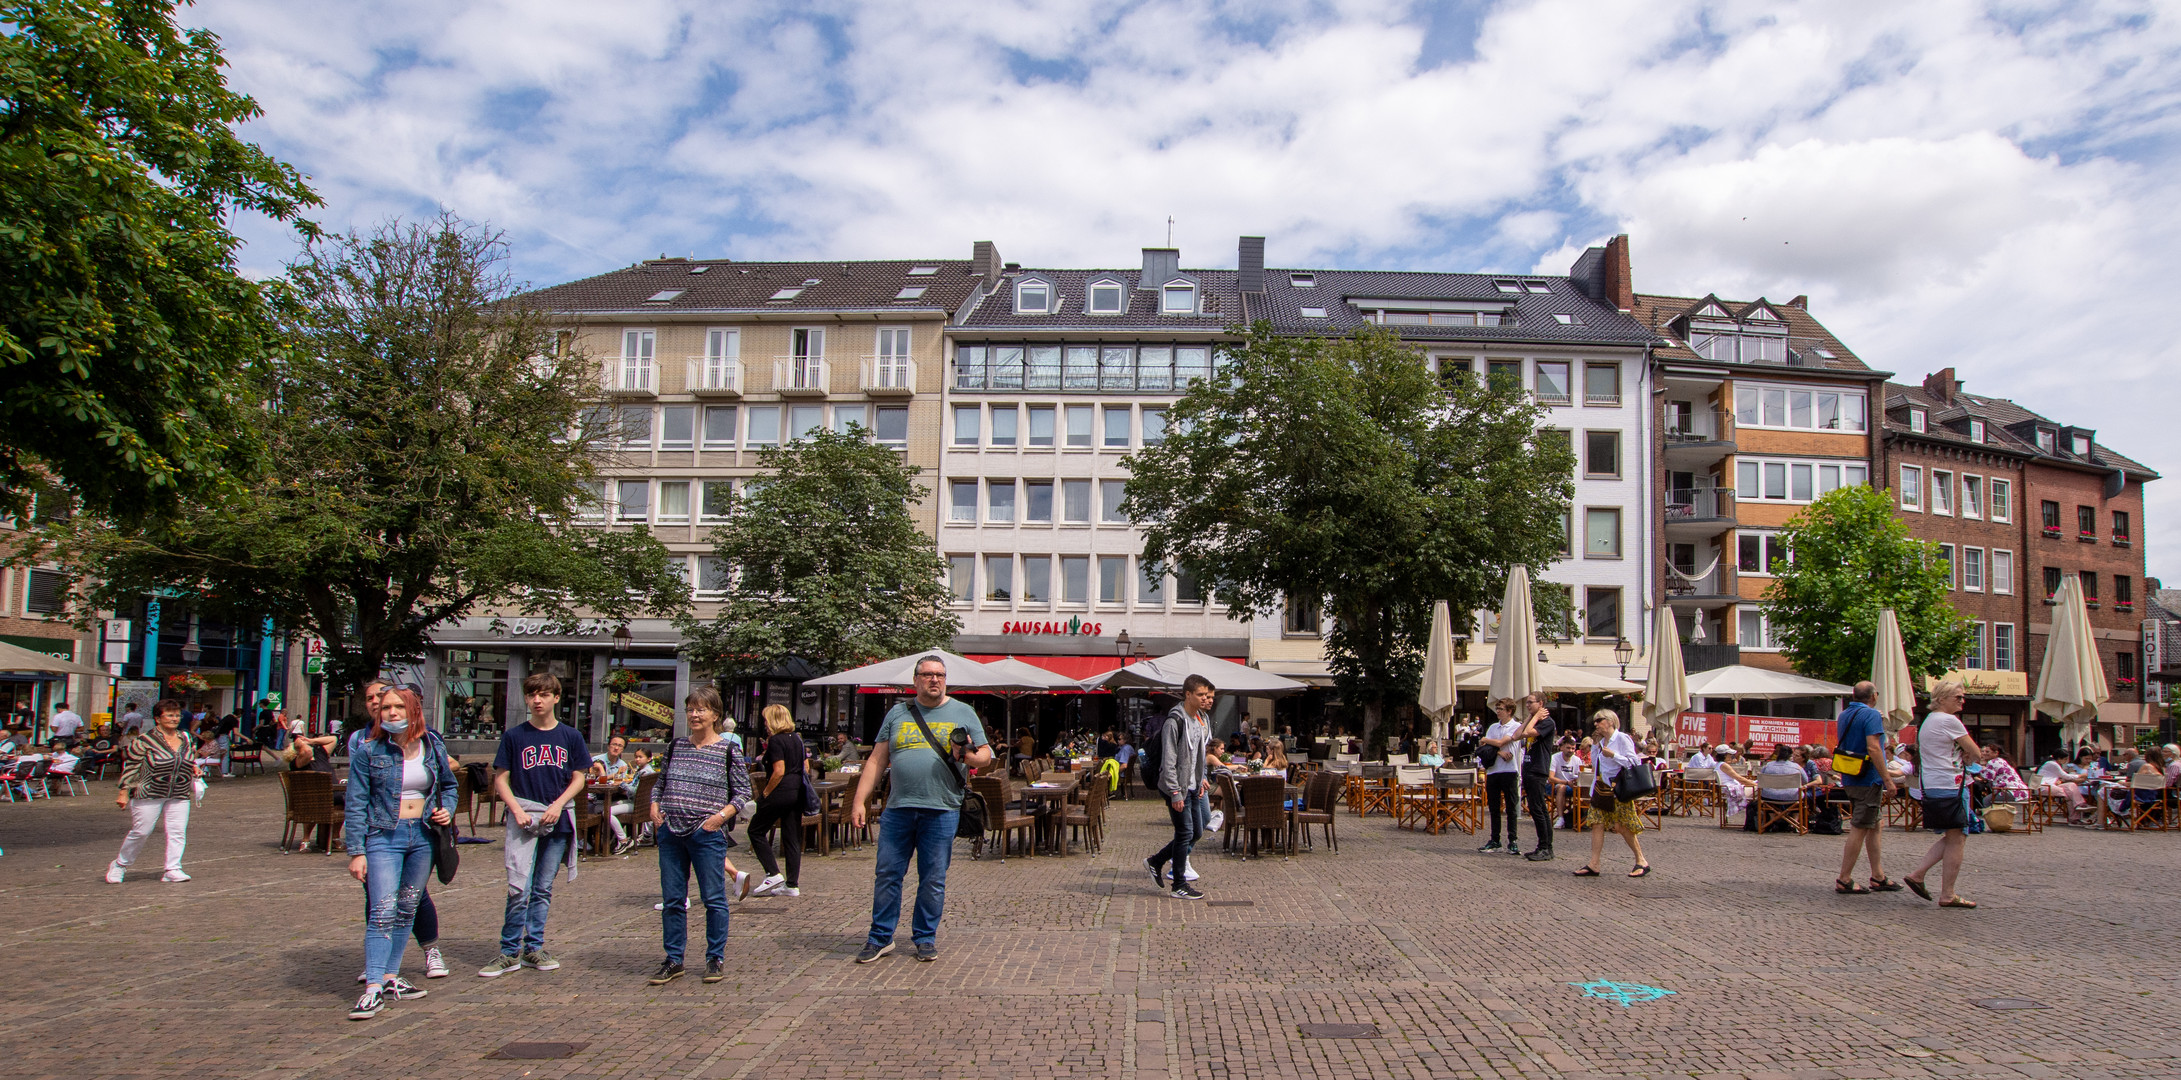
x,y
1071,628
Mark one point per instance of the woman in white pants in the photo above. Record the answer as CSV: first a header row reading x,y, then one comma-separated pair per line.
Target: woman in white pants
x,y
158,776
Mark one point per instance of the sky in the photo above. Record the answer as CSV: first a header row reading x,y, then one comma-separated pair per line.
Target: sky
x,y
1986,186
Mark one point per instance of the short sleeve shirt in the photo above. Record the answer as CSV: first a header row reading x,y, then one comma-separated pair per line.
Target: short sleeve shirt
x,y
921,779
1538,754
1940,754
1512,760
1858,722
539,764
787,747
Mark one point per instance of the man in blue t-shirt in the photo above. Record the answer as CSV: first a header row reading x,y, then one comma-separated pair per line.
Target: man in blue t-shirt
x,y
539,768
1860,761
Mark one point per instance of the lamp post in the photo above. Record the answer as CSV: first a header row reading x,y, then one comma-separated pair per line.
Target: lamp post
x,y
1624,652
621,640
1120,651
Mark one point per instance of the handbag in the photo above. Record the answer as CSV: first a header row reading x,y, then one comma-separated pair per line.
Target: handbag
x,y
446,857
1634,782
969,824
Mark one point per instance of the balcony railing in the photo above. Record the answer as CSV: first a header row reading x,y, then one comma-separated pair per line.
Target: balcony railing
x,y
1720,582
889,375
630,375
799,374
1687,505
1698,433
717,376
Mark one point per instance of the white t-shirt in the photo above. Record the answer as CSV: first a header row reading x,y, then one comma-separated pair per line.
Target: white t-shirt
x,y
131,720
66,722
1939,754
1700,760
1510,759
1566,766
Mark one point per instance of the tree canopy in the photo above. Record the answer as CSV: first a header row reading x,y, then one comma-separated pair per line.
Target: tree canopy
x,y
1343,469
125,328
1850,557
828,563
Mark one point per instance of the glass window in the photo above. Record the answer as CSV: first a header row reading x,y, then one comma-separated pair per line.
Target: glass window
x,y
673,502
636,427
1037,505
1105,298
1187,589
2124,589
633,501
1033,297
1154,426
1798,483
1000,501
1942,491
1754,633
1601,384
1602,610
1972,569
1044,371
1037,579
764,426
1851,412
969,367
1004,420
1180,299
1798,408
1117,368
2051,511
677,427
2090,584
1775,480
1912,488
1948,562
1916,420
1116,434
1154,368
1552,381
962,500
1079,425
999,578
1112,579
893,424
1149,584
1602,532
1745,405
1973,660
848,416
1745,480
1972,496
1749,553
2086,521
1081,368
711,574
1111,493
591,501
962,577
719,500
1828,412
1075,579
1503,374
1191,362
2002,646
2052,582
2120,525
2002,507
805,420
1853,475
1041,425
1828,479
1775,408
719,427
1602,453
2002,571
1075,501
966,424
1007,367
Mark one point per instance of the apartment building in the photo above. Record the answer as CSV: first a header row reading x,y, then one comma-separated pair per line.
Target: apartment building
x,y
31,600
1762,410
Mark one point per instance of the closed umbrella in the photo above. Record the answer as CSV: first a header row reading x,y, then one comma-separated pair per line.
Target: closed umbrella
x,y
2071,684
1514,662
1889,673
1437,696
1666,693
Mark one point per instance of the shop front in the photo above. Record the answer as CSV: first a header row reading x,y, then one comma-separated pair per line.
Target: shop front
x,y
1998,714
1079,649
611,684
27,697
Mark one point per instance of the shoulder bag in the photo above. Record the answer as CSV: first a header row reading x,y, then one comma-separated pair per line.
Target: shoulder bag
x,y
969,825
1846,762
1634,781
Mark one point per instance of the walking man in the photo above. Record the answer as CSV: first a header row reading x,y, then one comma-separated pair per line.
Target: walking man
x,y
65,725
1942,746
1184,782
1859,759
1540,732
925,743
539,769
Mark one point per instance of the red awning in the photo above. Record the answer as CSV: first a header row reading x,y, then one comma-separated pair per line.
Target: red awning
x,y
1074,667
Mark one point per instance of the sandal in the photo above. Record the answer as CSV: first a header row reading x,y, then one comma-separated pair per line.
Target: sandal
x,y
1960,902
1885,885
1641,870
1586,872
1916,887
1849,888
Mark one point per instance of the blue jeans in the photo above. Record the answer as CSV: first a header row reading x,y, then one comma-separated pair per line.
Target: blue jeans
x,y
397,862
930,833
706,853
1189,821
523,930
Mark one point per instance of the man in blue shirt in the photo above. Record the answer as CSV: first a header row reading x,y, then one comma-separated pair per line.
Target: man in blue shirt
x,y
1860,761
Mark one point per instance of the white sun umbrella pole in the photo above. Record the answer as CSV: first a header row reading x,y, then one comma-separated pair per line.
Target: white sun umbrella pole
x,y
1666,686
1514,661
1890,674
2071,683
1436,698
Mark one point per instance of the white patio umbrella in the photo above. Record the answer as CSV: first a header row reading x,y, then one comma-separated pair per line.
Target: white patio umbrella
x,y
17,658
1743,681
1551,678
1046,681
1165,673
2071,684
1514,662
1436,698
1666,688
962,674
1890,674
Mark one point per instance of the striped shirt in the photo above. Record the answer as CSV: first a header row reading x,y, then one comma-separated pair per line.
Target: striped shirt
x,y
699,780
154,770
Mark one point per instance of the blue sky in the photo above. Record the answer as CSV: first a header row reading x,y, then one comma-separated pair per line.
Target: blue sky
x,y
1987,186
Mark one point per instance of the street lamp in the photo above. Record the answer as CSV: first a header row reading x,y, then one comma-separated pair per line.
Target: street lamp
x,y
621,640
1541,658
1624,652
1120,645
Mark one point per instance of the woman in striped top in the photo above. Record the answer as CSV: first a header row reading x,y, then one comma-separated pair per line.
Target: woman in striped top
x,y
158,776
703,789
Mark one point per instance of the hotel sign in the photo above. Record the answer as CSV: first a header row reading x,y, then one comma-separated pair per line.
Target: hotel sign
x,y
1986,683
1071,628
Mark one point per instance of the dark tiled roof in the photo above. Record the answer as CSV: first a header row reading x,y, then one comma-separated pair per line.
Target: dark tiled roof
x,y
1804,334
1998,414
1332,290
749,286
1218,301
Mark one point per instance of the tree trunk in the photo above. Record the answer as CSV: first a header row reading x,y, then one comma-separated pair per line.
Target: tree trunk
x,y
1372,706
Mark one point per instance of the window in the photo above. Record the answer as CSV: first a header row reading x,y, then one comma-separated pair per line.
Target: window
x,y
1079,371
966,424
786,294
632,501
1033,298
1756,553
806,359
2086,521
1552,382
2052,582
962,577
1602,453
1154,368
1075,579
2124,666
1602,613
1037,503
1116,426
2044,439
893,425
2080,444
1005,419
848,416
711,575
1154,423
1602,533
591,501
764,426
636,359
1112,579
1300,617
636,427
1503,374
1187,589
1972,496
1302,281
1194,362
2090,584
969,367
1116,368
1453,368
910,292
1075,502
1508,286
1799,482
1973,660
1601,384
962,501
2002,646
1946,557
2002,504
1110,495
804,420
923,271
1567,533
1755,631
1912,487
1566,318
1972,569
673,502
1041,425
718,501
1105,298
677,427
2050,515
1976,431
891,362
999,578
2124,589
1916,421
1942,491
2002,572
719,427
2120,526
1000,501
1757,405
1007,367
1037,579
1313,313
1793,481
1178,298
1150,584
1775,480
1079,425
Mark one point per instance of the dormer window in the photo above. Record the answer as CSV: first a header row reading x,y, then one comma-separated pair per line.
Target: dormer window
x,y
1033,298
1976,431
1105,297
2081,445
2044,439
1178,298
1916,420
1303,281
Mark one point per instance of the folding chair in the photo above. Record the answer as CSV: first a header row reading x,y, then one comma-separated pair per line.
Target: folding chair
x,y
1378,791
2147,802
1417,799
1795,812
1461,805
73,779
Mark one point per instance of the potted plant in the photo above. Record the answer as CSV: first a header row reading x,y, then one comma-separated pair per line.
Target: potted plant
x,y
623,681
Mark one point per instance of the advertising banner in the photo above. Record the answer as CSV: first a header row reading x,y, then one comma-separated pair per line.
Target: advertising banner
x,y
1763,732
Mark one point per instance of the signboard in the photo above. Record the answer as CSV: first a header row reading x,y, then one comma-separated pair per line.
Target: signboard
x,y
643,706
113,652
1072,628
118,629
57,648
272,700
141,694
1981,683
314,665
1763,732
2154,660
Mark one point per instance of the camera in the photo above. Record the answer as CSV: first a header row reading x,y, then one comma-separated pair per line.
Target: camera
x,y
959,741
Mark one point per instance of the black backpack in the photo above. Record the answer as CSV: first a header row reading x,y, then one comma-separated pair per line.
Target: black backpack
x,y
1150,758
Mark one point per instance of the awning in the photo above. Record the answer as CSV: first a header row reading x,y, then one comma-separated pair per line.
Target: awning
x,y
1073,667
1743,681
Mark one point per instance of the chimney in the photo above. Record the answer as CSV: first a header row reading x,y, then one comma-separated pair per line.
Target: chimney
x,y
984,261
1942,385
1160,266
1620,286
1251,264
1802,302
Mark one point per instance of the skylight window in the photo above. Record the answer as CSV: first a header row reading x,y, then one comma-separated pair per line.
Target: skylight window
x,y
1566,319
1105,298
810,281
1303,281
663,295
1826,353
695,270
1508,286
1537,286
910,293
1313,313
787,294
923,271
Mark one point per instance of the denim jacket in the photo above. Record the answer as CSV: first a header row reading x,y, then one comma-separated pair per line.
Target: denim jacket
x,y
374,786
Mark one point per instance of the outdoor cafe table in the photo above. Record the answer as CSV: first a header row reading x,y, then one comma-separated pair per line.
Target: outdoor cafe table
x,y
827,789
1054,793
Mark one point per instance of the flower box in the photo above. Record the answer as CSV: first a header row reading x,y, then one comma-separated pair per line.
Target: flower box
x,y
2052,532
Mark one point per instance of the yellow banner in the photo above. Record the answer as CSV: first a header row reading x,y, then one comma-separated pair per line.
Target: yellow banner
x,y
1986,683
638,703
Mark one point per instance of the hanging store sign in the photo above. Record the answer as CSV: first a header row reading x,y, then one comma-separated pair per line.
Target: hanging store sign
x,y
643,706
1071,628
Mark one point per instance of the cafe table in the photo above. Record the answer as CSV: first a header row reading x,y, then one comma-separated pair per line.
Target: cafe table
x,y
1054,794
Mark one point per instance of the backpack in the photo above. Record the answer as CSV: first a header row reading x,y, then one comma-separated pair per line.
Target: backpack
x,y
1150,757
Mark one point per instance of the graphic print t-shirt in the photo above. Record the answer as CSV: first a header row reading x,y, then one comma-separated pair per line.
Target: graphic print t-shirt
x,y
1537,754
920,775
539,764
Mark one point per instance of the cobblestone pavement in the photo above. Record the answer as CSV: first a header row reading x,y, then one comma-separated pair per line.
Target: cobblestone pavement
x,y
1076,968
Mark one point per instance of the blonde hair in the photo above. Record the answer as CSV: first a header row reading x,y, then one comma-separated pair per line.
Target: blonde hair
x,y
778,719
1603,715
1946,688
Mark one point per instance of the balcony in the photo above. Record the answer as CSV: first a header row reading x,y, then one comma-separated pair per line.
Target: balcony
x,y
1709,592
714,376
1698,513
1706,442
799,376
888,376
1705,656
630,376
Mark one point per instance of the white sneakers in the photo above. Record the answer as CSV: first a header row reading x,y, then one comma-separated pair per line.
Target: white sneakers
x,y
739,888
114,873
1188,872
768,886
435,965
172,877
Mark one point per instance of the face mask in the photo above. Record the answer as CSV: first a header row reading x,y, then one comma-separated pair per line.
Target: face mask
x,y
394,727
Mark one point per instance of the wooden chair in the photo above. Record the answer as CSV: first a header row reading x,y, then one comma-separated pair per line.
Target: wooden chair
x,y
1795,812
1088,816
1903,811
2046,803
2147,802
817,830
639,806
1416,798
1263,802
1461,801
1319,795
1696,792
1000,819
250,759
312,805
1377,792
1580,819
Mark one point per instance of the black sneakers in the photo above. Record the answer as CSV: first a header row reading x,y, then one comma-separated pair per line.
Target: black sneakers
x,y
368,1005
1186,891
1489,847
1158,876
927,952
872,952
715,970
669,971
1543,854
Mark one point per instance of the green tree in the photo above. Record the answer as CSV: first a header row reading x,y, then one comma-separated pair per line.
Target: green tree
x,y
829,565
1852,557
425,462
1342,469
125,330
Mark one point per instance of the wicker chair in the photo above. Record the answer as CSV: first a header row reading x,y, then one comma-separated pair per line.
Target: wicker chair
x,y
1262,801
1088,817
312,805
999,819
1319,795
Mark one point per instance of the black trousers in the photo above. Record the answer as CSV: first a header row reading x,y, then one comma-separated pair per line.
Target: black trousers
x,y
785,809
1537,788
1500,790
